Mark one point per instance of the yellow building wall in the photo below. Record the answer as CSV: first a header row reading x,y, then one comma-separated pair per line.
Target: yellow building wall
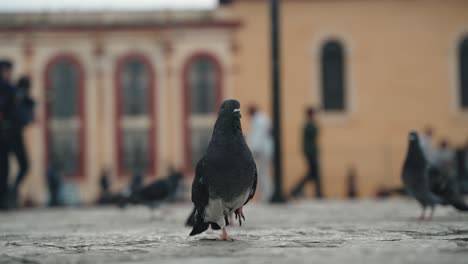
x,y
400,71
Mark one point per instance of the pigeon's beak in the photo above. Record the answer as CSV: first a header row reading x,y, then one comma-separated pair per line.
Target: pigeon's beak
x,y
237,112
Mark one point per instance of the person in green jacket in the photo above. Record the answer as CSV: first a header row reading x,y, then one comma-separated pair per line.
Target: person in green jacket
x,y
311,152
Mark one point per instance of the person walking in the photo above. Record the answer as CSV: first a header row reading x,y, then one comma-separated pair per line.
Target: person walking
x,y
445,158
311,153
24,115
7,104
261,145
427,147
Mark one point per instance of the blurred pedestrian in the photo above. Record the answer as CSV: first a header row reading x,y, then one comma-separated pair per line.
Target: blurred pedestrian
x,y
311,153
104,181
54,181
261,145
445,158
139,169
7,105
351,185
105,196
24,115
462,167
427,145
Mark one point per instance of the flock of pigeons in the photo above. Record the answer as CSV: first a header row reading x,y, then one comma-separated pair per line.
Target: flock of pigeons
x,y
226,178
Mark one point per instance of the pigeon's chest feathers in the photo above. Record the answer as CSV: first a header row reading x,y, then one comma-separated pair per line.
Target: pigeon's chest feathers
x,y
232,169
229,151
415,166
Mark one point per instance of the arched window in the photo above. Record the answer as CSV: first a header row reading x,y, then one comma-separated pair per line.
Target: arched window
x,y
202,85
333,78
135,115
65,116
463,72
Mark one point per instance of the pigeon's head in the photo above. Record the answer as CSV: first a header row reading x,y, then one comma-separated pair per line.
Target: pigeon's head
x,y
415,154
230,108
413,137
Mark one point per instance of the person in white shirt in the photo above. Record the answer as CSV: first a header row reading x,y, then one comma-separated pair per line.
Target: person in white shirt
x,y
261,145
427,147
445,158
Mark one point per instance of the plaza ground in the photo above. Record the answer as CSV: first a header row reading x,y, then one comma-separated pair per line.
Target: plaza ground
x,y
300,232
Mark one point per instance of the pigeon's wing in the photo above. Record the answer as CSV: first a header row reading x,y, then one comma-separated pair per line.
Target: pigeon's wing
x,y
200,198
200,195
254,185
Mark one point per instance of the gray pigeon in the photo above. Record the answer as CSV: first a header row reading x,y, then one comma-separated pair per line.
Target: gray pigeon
x,y
153,194
415,176
225,177
446,188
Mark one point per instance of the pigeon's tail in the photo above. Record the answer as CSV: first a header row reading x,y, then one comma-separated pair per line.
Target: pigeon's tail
x,y
459,204
199,228
199,225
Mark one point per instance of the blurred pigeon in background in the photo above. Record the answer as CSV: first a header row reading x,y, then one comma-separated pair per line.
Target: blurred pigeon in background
x,y
428,185
154,193
225,177
415,175
447,188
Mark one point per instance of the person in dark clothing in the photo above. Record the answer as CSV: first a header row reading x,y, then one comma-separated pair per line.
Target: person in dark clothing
x,y
104,182
462,167
311,152
351,184
106,197
54,181
7,104
24,115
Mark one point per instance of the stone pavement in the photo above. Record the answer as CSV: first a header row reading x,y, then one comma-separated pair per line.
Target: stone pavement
x,y
302,232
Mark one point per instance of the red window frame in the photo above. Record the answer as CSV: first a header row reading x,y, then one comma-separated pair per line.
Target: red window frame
x,y
121,171
70,58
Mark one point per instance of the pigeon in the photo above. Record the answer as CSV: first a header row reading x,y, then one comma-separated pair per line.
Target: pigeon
x,y
225,177
155,192
415,176
428,185
447,188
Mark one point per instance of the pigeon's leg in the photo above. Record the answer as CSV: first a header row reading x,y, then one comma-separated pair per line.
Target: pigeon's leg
x,y
423,213
225,236
429,218
239,214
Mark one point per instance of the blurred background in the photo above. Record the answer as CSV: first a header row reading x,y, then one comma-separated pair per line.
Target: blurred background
x,y
127,92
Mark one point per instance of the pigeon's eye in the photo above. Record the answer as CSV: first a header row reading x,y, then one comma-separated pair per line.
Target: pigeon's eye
x,y
226,107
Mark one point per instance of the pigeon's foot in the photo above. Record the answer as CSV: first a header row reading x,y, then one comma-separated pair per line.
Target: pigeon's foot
x,y
228,238
429,218
225,236
422,215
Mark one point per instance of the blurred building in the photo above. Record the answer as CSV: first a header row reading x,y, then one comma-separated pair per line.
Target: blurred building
x,y
139,90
